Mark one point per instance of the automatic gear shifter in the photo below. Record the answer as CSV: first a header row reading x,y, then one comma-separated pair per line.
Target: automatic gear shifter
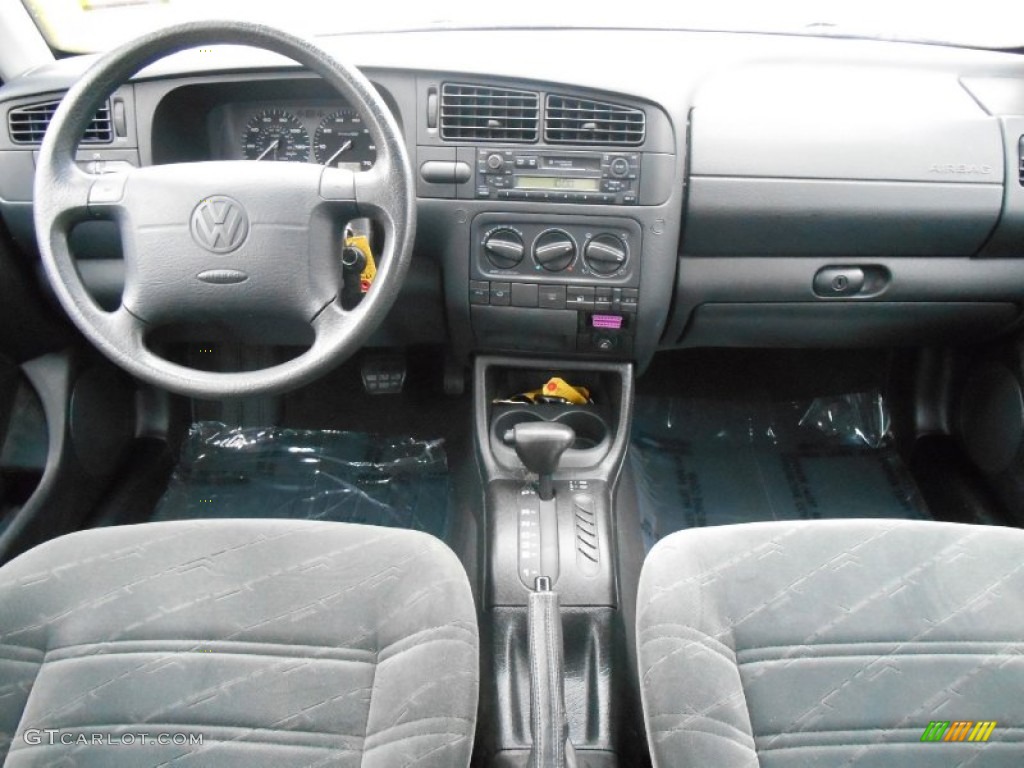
x,y
540,445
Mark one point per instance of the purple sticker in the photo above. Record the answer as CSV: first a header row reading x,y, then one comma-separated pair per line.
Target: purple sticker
x,y
607,321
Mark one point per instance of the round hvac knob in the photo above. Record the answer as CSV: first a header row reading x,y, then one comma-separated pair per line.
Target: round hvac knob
x,y
504,248
605,254
554,250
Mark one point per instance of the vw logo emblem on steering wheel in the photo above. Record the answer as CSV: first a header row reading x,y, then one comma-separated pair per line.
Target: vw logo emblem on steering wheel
x,y
219,224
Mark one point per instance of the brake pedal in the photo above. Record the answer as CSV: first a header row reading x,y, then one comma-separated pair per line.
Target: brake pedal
x,y
383,374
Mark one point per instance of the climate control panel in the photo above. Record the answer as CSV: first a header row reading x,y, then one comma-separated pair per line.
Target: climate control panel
x,y
570,281
601,249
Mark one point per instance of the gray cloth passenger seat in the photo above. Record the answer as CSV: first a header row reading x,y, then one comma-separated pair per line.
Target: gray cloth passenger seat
x,y
834,643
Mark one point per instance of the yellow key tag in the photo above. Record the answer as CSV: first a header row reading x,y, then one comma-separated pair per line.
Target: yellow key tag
x,y
370,270
557,387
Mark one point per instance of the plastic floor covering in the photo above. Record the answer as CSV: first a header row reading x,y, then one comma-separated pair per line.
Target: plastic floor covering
x,y
309,474
714,462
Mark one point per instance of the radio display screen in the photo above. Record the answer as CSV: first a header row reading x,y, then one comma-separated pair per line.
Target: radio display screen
x,y
558,182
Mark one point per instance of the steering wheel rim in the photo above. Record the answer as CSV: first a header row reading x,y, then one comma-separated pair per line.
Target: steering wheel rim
x,y
64,195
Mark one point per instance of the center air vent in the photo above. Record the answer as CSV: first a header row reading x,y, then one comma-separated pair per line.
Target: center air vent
x,y
27,125
482,113
570,120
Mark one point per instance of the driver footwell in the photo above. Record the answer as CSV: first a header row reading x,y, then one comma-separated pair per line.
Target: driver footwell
x,y
349,477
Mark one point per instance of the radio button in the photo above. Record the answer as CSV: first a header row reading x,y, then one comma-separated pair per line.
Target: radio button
x,y
495,162
619,167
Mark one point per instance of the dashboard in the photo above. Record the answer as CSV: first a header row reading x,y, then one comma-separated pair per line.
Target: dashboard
x,y
713,190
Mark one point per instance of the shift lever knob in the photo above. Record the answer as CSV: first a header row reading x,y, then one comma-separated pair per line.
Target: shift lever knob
x,y
540,445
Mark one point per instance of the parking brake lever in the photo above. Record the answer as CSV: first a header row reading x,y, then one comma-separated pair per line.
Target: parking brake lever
x,y
548,721
540,445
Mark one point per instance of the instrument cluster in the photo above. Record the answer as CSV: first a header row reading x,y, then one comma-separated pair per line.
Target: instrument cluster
x,y
322,133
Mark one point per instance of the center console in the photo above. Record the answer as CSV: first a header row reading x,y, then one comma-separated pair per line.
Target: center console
x,y
555,523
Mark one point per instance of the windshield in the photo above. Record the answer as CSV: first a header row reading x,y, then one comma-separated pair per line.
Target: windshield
x,y
84,26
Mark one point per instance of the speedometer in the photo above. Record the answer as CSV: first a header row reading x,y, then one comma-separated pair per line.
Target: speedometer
x,y
274,134
343,141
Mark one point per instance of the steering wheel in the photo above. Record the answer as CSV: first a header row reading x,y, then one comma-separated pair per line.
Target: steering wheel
x,y
224,240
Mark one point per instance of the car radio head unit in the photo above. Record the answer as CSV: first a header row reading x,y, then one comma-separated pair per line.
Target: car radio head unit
x,y
558,176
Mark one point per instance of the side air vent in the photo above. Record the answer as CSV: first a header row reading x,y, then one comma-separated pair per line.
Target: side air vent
x,y
482,113
1020,154
569,120
27,125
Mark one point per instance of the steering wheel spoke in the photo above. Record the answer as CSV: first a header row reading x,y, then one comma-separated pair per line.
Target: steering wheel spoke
x,y
127,326
375,191
72,188
107,193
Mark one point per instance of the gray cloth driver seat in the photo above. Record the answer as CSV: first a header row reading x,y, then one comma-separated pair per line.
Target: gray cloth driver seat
x,y
278,642
834,643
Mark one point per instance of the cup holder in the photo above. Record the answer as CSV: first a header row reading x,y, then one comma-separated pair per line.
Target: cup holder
x,y
505,421
590,428
592,433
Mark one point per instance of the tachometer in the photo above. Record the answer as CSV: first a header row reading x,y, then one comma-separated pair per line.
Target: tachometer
x,y
274,134
343,141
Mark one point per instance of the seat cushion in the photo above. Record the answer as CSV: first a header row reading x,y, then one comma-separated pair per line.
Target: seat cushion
x,y
828,643
279,643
